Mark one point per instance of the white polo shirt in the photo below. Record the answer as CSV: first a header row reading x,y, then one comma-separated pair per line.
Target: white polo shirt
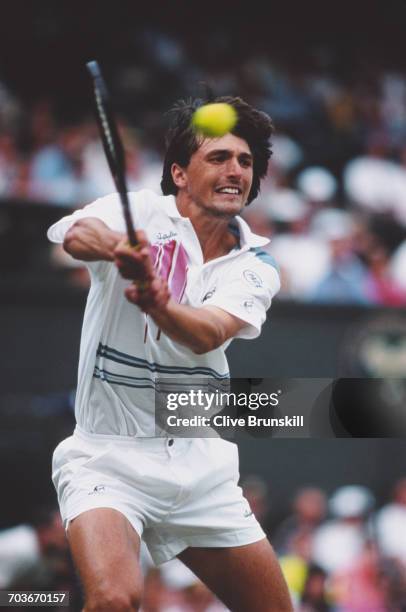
x,y
121,351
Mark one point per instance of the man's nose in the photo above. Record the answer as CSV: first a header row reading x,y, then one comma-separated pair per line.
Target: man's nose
x,y
234,167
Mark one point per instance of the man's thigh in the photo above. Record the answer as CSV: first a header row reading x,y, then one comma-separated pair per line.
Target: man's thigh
x,y
105,550
244,578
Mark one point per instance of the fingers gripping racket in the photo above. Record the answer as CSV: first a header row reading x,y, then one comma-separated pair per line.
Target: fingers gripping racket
x,y
113,147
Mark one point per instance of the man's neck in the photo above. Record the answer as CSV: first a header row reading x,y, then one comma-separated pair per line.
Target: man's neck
x,y
215,237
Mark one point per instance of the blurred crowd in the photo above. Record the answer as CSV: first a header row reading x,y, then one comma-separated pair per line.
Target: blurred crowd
x,y
334,201
339,553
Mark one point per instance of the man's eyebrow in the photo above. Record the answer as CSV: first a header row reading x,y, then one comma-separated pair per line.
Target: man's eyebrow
x,y
245,154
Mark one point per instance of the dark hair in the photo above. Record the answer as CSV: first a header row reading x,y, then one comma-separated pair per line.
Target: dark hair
x,y
182,140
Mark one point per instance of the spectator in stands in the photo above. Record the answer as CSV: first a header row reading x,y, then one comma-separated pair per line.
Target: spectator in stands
x,y
360,586
31,554
345,281
314,597
255,490
338,543
181,591
398,266
56,169
10,161
309,510
391,524
303,259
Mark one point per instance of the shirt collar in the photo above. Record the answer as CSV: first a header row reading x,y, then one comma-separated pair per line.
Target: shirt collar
x,y
170,207
247,237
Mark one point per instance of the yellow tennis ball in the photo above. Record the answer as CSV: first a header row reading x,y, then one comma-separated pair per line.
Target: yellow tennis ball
x,y
214,120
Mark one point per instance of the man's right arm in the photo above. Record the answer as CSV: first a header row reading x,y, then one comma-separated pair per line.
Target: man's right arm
x,y
90,239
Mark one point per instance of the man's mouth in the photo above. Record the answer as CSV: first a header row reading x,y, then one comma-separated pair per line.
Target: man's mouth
x,y
229,190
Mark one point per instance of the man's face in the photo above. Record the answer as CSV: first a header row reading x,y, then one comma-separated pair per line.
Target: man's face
x,y
218,178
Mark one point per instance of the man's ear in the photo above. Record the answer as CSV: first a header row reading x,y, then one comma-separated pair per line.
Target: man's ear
x,y
178,176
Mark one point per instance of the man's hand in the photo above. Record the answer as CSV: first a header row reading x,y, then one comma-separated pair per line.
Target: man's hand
x,y
151,296
149,291
134,263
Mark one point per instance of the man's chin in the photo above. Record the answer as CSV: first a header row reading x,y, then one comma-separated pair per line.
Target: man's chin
x,y
230,210
229,201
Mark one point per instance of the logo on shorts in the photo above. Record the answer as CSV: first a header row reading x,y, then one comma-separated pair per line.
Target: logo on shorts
x,y
98,489
248,513
253,278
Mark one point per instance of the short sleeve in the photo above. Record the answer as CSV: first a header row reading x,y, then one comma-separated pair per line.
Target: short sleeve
x,y
107,209
246,291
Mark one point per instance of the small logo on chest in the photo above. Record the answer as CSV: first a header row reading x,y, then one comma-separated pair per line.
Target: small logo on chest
x,y
164,236
209,294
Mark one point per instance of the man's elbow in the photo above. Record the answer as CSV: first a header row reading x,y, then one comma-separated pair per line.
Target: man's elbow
x,y
209,342
202,348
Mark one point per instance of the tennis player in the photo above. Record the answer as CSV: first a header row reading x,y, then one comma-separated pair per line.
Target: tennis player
x,y
170,308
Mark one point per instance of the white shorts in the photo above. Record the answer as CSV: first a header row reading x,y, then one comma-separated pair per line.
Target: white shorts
x,y
175,493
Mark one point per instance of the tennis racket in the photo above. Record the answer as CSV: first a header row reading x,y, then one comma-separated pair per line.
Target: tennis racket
x,y
113,147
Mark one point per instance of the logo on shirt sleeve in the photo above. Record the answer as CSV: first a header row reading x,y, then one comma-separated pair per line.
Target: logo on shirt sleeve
x,y
253,278
248,305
